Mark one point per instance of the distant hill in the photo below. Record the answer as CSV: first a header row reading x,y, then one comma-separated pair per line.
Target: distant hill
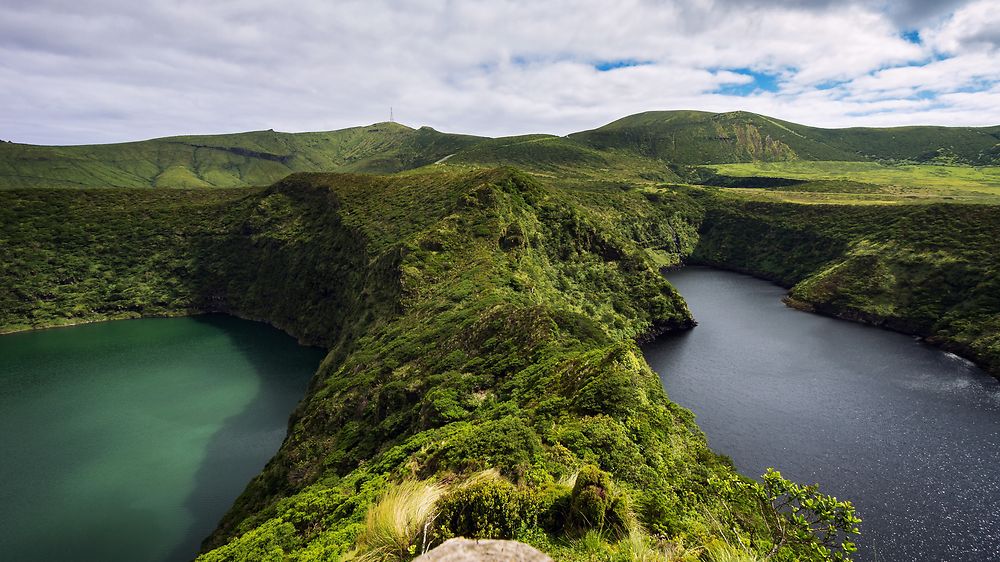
x,y
254,158
562,156
697,137
639,146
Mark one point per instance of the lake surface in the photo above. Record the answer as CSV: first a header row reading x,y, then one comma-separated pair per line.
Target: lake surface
x,y
128,440
909,433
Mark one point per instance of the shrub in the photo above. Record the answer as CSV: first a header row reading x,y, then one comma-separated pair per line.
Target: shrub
x,y
507,444
488,506
595,504
659,511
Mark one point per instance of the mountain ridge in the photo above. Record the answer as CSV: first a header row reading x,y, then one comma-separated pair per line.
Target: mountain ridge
x,y
742,136
641,143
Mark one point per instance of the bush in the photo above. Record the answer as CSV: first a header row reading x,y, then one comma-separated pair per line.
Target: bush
x,y
660,513
488,507
508,444
595,504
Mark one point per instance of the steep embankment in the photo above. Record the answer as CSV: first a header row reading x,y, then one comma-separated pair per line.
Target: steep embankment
x,y
242,159
930,270
82,256
476,321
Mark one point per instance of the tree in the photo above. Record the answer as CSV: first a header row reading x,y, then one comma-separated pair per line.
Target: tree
x,y
803,516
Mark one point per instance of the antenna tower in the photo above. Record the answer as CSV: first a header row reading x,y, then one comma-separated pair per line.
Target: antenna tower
x,y
391,120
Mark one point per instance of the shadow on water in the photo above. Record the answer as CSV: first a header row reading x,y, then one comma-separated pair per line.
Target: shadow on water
x,y
246,441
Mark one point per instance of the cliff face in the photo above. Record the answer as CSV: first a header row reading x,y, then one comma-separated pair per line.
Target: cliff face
x,y
929,270
279,255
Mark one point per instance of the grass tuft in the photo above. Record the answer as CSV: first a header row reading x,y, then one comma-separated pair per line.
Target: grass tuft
x,y
397,526
719,551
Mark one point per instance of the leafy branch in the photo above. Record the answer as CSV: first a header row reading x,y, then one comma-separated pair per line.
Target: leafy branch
x,y
799,517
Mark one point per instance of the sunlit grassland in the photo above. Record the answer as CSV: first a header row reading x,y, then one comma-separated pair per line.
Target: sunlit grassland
x,y
845,182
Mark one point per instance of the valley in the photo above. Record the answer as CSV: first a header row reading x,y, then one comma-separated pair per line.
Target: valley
x,y
482,312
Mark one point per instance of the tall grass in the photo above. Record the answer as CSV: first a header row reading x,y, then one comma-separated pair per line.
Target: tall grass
x,y
638,546
719,551
396,527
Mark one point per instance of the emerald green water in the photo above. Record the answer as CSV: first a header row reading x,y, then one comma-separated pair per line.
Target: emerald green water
x,y
128,440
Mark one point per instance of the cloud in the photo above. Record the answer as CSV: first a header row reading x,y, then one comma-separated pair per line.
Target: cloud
x,y
904,13
112,70
976,27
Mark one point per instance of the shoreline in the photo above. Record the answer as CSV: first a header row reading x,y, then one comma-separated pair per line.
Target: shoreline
x,y
179,314
857,317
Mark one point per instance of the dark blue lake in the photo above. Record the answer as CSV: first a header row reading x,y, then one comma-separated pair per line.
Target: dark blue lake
x,y
909,433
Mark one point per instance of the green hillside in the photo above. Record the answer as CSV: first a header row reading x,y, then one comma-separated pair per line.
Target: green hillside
x,y
482,329
482,321
255,158
562,157
650,146
696,137
930,270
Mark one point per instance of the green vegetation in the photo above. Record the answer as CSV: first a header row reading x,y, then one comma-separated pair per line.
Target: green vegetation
x,y
483,377
476,320
79,256
810,516
697,137
929,270
562,158
860,182
256,158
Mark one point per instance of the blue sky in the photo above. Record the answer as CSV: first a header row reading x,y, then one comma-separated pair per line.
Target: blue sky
x,y
114,70
755,83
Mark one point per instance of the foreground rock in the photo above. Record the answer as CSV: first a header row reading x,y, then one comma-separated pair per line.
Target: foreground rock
x,y
461,550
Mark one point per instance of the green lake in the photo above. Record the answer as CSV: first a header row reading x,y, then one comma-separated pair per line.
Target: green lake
x,y
129,440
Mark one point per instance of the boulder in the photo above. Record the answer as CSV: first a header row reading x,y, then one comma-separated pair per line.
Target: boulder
x,y
467,550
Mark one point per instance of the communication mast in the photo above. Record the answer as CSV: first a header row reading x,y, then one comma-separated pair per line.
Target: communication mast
x,y
391,120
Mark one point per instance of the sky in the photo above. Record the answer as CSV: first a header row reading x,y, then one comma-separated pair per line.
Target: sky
x,y
96,71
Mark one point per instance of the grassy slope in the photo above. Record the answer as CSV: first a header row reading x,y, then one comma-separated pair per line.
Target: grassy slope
x,y
475,319
694,137
870,181
931,270
256,158
559,157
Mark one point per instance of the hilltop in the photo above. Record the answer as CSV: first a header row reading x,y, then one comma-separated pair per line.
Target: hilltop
x,y
697,137
649,146
240,159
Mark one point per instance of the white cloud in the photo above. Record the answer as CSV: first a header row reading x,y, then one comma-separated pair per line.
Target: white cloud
x,y
109,70
975,27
